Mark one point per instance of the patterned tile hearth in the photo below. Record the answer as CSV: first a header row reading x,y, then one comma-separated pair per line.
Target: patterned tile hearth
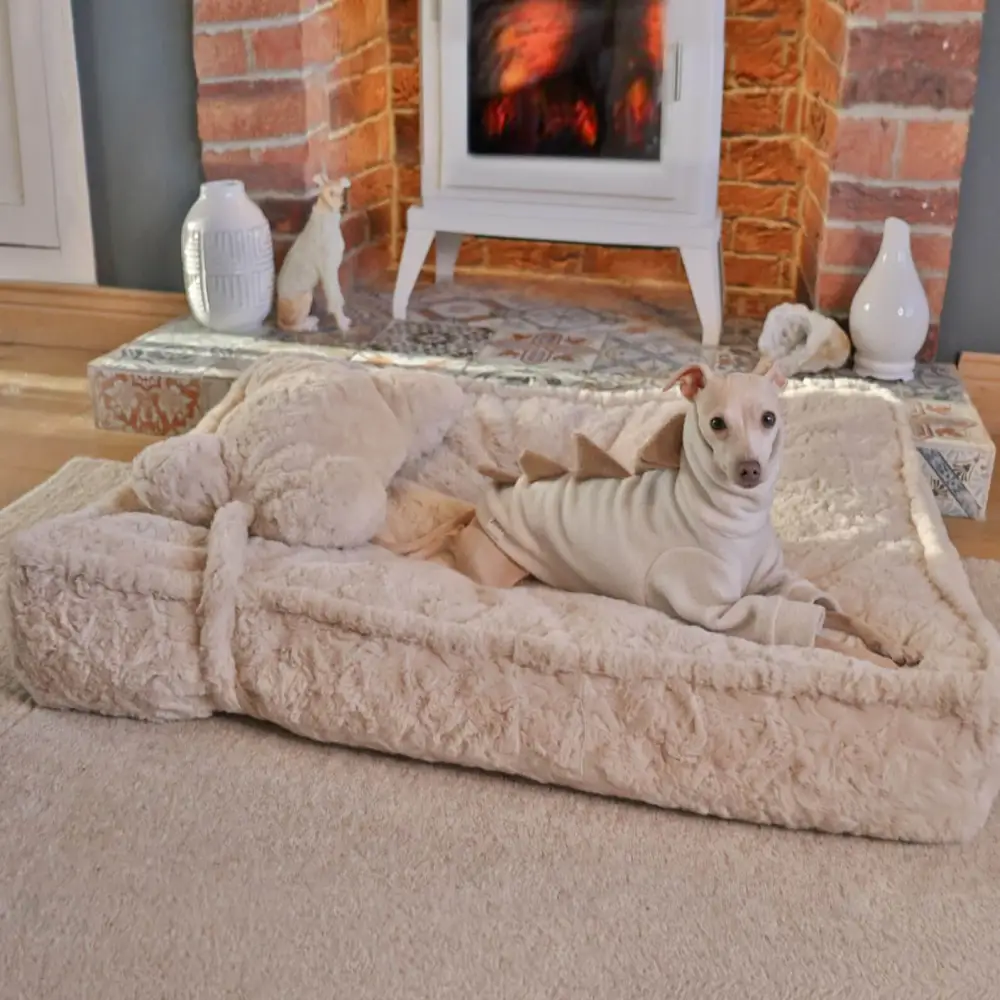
x,y
519,333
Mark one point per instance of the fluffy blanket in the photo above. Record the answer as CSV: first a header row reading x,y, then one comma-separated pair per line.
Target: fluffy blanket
x,y
125,612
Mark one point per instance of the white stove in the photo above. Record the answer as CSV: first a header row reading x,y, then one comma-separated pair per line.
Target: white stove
x,y
585,121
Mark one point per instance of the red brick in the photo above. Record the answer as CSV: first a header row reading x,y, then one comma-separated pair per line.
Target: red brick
x,y
405,86
858,202
313,41
371,187
933,150
761,160
865,146
211,11
914,63
935,288
753,112
858,248
757,272
877,9
356,150
355,227
262,109
754,201
815,173
380,221
359,62
221,54
407,128
355,100
746,304
361,21
633,264
819,123
758,54
545,258
827,26
931,251
752,237
785,14
836,290
285,168
287,216
820,76
409,182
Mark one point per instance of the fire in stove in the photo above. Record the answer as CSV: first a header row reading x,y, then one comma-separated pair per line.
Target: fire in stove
x,y
577,78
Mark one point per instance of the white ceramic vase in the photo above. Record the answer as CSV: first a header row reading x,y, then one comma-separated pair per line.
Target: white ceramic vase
x,y
228,259
890,315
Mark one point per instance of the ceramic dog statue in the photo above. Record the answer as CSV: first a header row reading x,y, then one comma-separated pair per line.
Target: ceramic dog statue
x,y
315,259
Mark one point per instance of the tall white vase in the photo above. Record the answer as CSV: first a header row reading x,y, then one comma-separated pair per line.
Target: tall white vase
x,y
228,259
890,315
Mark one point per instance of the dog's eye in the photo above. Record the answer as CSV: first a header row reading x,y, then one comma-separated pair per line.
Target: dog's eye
x,y
717,424
768,419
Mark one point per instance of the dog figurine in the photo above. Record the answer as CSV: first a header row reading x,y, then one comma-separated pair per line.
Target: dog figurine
x,y
687,529
314,259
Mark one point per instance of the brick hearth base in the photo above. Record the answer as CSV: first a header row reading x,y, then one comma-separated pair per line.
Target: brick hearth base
x,y
581,338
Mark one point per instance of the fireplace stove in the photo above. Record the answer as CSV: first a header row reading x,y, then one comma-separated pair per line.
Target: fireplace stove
x,y
585,121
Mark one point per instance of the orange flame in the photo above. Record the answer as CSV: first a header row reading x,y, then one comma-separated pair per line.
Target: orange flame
x,y
652,24
532,41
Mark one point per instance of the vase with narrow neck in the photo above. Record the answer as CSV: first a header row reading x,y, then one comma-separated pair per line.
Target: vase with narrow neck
x,y
890,315
228,259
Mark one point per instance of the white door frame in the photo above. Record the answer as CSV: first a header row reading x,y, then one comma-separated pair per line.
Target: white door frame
x,y
72,261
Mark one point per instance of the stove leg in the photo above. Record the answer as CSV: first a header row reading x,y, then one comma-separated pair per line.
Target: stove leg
x,y
705,275
415,249
446,248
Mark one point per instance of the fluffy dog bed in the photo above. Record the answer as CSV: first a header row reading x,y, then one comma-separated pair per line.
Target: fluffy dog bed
x,y
124,612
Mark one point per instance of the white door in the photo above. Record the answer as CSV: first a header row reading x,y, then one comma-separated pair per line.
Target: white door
x,y
45,231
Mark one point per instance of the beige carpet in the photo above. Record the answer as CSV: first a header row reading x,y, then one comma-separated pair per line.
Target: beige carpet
x,y
225,859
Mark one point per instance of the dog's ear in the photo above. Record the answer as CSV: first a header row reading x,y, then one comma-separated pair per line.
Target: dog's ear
x,y
692,380
770,369
320,179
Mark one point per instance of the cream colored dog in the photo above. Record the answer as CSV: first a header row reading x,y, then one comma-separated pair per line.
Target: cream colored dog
x,y
684,527
315,259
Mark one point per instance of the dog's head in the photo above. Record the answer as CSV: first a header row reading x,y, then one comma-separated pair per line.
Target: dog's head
x,y
739,416
332,194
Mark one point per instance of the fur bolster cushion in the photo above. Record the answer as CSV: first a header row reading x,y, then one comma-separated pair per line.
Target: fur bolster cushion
x,y
309,444
124,612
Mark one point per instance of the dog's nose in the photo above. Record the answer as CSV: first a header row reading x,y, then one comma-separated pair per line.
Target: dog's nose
x,y
749,473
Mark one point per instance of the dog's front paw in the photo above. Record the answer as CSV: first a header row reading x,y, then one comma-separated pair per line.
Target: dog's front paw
x,y
900,654
344,323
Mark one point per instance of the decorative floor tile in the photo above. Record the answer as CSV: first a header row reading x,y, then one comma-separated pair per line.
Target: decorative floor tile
x,y
573,351
419,337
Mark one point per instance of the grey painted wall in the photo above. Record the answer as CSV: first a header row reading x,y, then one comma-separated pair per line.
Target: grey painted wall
x,y
970,320
137,82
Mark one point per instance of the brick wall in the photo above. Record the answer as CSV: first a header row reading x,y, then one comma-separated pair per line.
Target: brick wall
x,y
909,77
287,87
836,114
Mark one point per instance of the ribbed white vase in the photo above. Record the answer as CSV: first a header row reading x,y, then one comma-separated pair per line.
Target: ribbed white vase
x,y
228,259
890,315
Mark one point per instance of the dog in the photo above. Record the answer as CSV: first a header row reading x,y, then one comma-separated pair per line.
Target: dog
x,y
688,531
315,259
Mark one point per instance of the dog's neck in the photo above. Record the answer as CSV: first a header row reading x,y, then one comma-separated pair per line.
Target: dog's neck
x,y
708,497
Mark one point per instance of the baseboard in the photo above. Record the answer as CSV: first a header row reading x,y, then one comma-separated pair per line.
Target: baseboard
x,y
981,375
82,316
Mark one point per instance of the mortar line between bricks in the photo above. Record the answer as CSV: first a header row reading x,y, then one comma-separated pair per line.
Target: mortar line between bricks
x,y
913,17
900,112
889,185
257,23
917,228
275,142
845,269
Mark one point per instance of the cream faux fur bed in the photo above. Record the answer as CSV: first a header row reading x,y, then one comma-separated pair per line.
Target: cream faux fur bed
x,y
128,613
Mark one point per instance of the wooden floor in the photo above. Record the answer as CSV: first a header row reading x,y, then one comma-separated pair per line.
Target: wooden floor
x,y
45,419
